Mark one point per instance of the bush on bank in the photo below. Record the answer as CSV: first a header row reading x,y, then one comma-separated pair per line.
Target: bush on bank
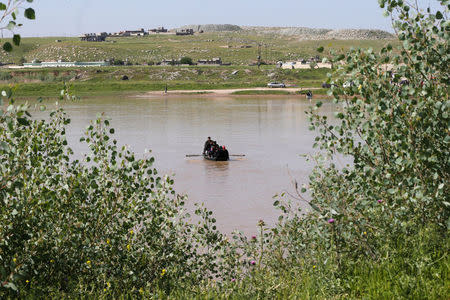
x,y
106,221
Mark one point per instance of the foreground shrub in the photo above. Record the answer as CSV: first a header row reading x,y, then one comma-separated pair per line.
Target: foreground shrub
x,y
107,221
393,125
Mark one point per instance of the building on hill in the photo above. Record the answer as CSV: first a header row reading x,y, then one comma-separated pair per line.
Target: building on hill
x,y
169,62
94,37
214,61
140,32
303,64
158,30
188,31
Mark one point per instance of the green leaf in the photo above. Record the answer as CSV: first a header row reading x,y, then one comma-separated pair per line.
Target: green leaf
x,y
2,6
4,146
23,121
11,25
313,206
16,39
7,47
439,15
320,49
11,285
30,14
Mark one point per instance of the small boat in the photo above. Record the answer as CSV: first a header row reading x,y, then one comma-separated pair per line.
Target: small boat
x,y
221,155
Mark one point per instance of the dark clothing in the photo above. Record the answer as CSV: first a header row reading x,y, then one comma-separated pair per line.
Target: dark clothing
x,y
226,155
207,146
222,155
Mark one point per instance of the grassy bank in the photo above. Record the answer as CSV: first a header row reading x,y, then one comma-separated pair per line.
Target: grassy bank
x,y
97,81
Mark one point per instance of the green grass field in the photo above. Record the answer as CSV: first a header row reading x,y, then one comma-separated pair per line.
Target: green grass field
x,y
230,46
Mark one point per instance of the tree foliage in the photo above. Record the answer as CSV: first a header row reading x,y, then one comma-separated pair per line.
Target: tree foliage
x,y
393,127
106,221
9,13
186,61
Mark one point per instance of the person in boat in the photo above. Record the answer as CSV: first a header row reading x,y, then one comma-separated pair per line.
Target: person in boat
x,y
207,146
222,154
225,153
214,149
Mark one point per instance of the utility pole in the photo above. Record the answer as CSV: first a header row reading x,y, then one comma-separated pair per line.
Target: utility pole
x,y
259,55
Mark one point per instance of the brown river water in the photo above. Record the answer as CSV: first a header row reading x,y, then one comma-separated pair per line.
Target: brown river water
x,y
271,132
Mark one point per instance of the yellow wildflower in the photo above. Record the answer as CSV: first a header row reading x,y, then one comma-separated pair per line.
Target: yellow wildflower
x,y
164,271
365,233
104,289
14,259
314,267
107,241
141,290
52,261
27,281
131,231
88,262
360,87
128,247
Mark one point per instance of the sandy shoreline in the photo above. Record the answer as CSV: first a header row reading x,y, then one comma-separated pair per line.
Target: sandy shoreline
x,y
225,92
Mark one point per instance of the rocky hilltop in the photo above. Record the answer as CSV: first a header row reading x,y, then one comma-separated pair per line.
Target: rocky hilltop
x,y
303,33
358,34
211,27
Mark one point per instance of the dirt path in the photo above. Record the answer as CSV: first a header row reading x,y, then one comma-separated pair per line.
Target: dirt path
x,y
220,92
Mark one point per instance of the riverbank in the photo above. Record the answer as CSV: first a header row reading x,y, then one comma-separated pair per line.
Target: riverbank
x,y
259,91
155,79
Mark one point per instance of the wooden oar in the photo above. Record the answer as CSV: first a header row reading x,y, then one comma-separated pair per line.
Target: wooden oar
x,y
195,155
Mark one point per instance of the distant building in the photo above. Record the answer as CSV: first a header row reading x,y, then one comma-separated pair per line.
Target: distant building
x,y
214,61
94,37
189,31
65,64
169,62
140,32
303,64
157,30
